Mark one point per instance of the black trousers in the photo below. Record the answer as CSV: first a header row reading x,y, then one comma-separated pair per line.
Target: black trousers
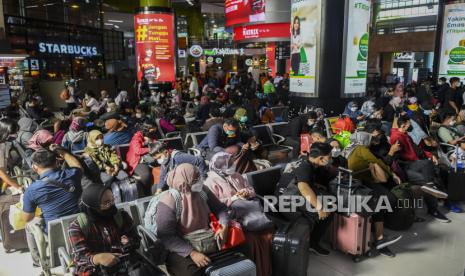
x,y
145,178
295,63
295,144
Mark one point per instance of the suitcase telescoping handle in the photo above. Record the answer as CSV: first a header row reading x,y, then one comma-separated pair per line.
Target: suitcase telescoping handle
x,y
342,170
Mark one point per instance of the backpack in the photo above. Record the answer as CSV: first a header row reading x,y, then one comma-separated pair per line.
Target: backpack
x,y
150,216
344,123
403,215
83,222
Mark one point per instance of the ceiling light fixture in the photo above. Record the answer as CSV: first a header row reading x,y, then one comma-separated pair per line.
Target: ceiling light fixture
x,y
115,21
74,6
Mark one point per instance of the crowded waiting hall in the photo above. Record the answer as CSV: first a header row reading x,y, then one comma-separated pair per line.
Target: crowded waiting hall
x,y
232,138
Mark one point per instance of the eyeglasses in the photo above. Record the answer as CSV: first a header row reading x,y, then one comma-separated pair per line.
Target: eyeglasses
x,y
108,203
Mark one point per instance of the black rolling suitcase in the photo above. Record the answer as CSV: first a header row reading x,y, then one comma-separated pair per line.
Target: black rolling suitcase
x,y
291,243
12,240
456,185
125,190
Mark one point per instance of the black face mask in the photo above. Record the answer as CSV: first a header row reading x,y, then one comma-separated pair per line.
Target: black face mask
x,y
108,213
410,128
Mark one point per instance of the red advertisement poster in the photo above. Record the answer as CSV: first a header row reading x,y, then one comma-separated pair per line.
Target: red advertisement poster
x,y
271,30
271,58
155,47
244,11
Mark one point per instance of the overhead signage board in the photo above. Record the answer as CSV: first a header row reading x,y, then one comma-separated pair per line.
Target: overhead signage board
x,y
356,47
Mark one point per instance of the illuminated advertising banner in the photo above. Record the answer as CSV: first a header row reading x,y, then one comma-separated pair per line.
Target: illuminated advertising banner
x,y
452,55
356,50
244,11
155,46
305,30
271,30
271,58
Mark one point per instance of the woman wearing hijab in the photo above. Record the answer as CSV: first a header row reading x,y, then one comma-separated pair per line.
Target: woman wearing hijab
x,y
172,219
105,158
101,234
230,188
76,138
117,133
122,98
353,112
27,126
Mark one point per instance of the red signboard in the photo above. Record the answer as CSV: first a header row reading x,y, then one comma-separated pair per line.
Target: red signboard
x,y
271,58
272,30
244,11
155,46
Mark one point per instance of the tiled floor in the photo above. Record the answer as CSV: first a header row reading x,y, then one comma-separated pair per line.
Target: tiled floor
x,y
428,249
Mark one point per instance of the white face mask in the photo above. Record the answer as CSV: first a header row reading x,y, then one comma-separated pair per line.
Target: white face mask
x,y
109,110
162,161
231,170
452,123
154,93
138,115
196,103
335,152
353,109
99,142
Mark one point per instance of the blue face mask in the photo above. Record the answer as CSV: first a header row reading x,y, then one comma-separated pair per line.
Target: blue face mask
x,y
230,133
243,119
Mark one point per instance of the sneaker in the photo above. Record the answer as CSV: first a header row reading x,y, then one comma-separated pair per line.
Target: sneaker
x,y
318,250
434,191
387,252
453,208
387,240
439,217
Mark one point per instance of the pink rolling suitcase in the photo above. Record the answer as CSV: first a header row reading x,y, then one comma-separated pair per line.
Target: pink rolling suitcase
x,y
350,232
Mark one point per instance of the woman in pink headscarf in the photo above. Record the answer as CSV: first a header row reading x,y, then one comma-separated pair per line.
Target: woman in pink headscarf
x,y
195,209
41,139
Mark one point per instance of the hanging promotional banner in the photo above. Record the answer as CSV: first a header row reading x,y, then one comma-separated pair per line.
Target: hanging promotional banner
x,y
244,11
155,47
305,31
271,30
271,58
356,47
452,55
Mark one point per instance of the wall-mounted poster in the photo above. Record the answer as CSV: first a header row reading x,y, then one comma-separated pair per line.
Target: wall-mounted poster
x,y
244,11
452,55
155,46
356,47
305,30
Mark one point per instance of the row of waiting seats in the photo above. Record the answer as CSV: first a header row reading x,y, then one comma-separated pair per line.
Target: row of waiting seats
x,y
58,252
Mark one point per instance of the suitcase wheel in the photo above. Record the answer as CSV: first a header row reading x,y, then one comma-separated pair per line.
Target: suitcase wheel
x,y
369,253
357,259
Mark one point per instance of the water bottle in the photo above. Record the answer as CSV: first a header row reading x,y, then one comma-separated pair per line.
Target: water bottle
x,y
460,162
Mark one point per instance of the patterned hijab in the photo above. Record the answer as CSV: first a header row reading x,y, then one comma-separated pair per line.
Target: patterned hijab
x,y
220,162
39,139
92,137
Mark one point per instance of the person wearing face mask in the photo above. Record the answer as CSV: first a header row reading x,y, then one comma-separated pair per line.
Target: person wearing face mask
x,y
56,192
296,127
359,158
111,112
442,89
169,159
104,239
219,137
309,187
76,137
419,168
447,131
453,97
232,189
122,98
352,111
367,108
106,159
197,202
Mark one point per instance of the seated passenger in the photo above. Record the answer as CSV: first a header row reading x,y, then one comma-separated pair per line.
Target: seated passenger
x,y
117,134
41,139
169,159
418,167
56,192
105,158
219,137
104,239
197,204
447,132
76,138
27,127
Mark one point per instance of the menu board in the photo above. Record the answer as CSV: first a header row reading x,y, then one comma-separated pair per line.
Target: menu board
x,y
155,47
